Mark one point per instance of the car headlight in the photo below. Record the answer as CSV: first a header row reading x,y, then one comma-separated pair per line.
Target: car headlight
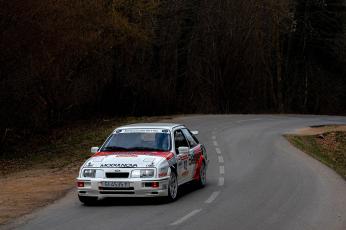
x,y
142,173
89,173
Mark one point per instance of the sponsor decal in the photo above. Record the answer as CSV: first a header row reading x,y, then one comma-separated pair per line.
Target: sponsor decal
x,y
141,131
90,164
118,166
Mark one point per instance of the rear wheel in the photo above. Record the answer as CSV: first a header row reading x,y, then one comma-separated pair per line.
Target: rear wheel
x,y
173,187
87,200
202,176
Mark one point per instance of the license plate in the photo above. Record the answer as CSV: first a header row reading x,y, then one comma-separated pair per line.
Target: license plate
x,y
115,184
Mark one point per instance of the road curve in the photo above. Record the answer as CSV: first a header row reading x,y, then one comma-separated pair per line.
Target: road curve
x,y
256,180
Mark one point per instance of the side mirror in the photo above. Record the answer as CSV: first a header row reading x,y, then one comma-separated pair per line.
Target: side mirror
x,y
94,149
195,132
183,150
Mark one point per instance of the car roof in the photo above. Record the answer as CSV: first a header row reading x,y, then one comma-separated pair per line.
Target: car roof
x,y
150,126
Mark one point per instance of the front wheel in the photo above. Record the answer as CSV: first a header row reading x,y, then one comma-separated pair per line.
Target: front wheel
x,y
87,200
173,187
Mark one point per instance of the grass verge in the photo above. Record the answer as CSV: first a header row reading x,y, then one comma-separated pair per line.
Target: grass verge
x,y
328,147
43,168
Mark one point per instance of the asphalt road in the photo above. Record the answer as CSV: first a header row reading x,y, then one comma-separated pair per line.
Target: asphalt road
x,y
256,180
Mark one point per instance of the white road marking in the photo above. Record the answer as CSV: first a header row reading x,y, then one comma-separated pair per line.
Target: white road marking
x,y
222,169
220,159
221,181
218,151
187,216
212,197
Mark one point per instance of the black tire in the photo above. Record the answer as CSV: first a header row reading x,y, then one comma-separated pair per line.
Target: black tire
x,y
172,187
87,200
202,176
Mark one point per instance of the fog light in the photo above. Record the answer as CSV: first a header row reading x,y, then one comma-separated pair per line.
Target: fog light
x,y
155,184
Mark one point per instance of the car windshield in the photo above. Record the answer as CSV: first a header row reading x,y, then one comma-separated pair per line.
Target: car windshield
x,y
154,140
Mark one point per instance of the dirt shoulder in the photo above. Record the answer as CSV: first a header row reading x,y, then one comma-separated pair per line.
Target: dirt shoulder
x,y
45,168
25,191
325,143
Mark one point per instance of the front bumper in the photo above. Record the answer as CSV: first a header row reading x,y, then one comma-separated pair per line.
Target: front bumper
x,y
138,187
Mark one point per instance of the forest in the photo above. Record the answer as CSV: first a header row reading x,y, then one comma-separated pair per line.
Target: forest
x,y
72,59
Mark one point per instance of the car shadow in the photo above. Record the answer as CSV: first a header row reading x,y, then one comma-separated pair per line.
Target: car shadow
x,y
184,190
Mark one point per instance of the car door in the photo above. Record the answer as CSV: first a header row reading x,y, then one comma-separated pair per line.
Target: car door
x,y
182,158
194,152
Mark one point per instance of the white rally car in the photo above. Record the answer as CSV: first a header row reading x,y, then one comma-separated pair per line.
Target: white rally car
x,y
143,160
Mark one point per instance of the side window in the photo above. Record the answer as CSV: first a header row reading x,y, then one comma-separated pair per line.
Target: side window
x,y
179,140
189,138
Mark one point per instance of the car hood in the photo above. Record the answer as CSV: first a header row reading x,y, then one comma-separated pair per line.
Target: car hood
x,y
127,159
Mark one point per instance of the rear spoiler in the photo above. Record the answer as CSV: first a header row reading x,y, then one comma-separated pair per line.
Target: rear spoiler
x,y
195,132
